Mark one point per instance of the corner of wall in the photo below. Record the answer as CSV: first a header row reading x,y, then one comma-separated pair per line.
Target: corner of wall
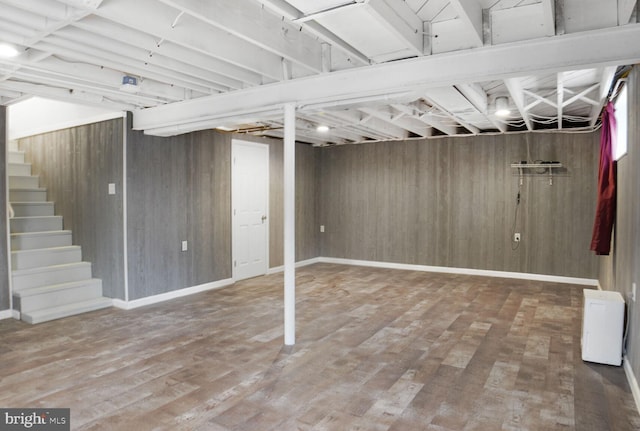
x,y
633,382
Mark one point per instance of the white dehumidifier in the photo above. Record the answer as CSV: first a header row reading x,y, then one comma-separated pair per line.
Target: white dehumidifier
x,y
602,327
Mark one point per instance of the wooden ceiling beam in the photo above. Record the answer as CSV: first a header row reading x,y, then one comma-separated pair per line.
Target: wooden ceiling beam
x,y
593,49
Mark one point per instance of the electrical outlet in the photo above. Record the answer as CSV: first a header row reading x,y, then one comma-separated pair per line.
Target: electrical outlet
x,y
516,237
633,292
322,228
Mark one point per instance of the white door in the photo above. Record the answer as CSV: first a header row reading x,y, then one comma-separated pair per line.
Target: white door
x,y
250,208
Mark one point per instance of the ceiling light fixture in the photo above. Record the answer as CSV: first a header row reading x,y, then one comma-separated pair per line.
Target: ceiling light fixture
x,y
502,106
8,51
322,129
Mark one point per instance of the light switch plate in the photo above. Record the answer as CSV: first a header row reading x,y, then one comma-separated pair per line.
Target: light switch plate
x,y
185,246
112,188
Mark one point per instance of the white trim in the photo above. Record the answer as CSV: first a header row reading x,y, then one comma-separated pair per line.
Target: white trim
x,y
125,239
633,383
9,314
299,264
68,124
162,297
6,210
464,271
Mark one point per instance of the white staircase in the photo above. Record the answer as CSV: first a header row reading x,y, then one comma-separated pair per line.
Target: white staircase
x,y
50,280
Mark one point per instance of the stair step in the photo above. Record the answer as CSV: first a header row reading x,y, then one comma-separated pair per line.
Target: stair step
x,y
31,240
19,169
72,309
15,156
34,194
13,145
35,224
55,295
25,259
23,181
32,209
54,274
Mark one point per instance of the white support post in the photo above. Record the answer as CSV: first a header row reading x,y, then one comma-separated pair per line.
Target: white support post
x,y
289,224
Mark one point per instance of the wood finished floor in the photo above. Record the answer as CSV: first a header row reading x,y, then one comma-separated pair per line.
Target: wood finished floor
x,y
376,349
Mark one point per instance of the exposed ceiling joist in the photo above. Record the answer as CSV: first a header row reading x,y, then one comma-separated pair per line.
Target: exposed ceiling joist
x,y
344,62
284,9
54,10
470,12
438,123
249,21
549,17
329,11
133,58
625,11
606,80
601,48
84,53
517,95
471,128
78,73
367,125
407,123
401,20
479,99
560,98
189,33
83,4
167,54
339,126
60,93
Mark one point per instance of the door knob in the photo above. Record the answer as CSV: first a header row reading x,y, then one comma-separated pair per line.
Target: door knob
x,y
264,217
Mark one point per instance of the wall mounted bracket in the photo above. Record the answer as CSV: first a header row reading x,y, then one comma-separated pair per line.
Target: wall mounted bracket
x,y
547,167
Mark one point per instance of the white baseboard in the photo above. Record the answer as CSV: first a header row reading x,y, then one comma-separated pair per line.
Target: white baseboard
x,y
162,297
129,305
633,383
277,269
464,271
9,314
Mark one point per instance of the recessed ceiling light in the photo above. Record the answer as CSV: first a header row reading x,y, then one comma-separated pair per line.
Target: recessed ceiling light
x,y
8,51
502,106
322,129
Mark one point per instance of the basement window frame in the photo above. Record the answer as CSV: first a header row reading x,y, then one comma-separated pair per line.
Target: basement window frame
x,y
621,105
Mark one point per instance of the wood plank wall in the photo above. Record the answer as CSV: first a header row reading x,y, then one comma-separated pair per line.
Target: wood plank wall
x,y
451,202
4,270
179,188
622,267
307,226
76,165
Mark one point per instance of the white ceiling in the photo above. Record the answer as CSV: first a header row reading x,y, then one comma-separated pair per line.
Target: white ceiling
x,y
369,69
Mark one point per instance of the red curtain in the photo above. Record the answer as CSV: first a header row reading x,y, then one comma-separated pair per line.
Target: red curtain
x,y
606,207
